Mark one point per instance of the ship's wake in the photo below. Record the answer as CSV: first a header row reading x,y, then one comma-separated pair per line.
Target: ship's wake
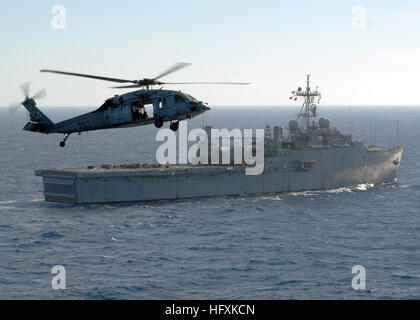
x,y
357,188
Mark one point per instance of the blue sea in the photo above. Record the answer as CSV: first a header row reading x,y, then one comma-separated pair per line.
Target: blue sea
x,y
276,246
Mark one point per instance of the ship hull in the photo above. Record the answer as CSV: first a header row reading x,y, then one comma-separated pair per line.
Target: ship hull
x,y
329,168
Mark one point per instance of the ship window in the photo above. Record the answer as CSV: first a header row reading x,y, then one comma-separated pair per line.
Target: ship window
x,y
308,165
305,165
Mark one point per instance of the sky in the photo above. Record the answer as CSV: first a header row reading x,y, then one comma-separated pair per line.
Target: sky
x,y
357,52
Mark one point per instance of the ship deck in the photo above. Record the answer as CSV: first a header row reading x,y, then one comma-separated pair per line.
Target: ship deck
x,y
138,169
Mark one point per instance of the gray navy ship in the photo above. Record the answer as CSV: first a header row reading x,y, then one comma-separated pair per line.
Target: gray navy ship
x,y
312,156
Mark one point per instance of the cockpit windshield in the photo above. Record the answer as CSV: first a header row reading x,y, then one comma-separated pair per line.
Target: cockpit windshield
x,y
183,97
190,98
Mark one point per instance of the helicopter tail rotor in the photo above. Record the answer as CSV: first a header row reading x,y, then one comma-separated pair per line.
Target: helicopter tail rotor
x,y
25,88
41,94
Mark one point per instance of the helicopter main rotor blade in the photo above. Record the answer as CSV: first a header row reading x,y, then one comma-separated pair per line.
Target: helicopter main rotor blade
x,y
128,86
88,76
180,83
237,83
172,69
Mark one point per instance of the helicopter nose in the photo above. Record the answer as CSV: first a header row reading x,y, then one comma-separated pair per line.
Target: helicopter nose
x,y
193,106
203,108
198,107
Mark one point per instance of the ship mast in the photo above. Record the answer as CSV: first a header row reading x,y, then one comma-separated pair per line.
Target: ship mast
x,y
308,109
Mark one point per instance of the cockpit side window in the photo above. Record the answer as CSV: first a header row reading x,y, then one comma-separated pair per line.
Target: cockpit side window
x,y
179,98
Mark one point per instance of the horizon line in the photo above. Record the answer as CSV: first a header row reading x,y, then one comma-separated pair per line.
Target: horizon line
x,y
256,105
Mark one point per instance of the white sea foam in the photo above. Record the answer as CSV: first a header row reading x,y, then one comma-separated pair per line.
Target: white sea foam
x,y
363,187
360,187
9,201
339,190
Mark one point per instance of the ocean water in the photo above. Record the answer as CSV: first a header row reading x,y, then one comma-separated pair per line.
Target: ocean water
x,y
277,246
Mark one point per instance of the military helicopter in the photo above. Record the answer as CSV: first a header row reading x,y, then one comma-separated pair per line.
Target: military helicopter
x,y
121,111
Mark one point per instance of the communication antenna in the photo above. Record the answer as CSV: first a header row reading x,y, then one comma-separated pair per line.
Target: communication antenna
x,y
308,109
374,134
350,120
398,135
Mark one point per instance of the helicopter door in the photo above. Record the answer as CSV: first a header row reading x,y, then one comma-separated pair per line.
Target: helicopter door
x,y
169,102
158,108
170,106
138,110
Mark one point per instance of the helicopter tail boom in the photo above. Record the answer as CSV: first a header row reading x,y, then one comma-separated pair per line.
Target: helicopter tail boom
x,y
39,122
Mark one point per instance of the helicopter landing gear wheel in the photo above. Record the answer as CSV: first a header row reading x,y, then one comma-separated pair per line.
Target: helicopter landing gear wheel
x,y
63,142
174,126
158,123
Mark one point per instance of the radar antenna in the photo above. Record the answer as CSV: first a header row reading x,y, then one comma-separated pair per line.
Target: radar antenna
x,y
309,108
